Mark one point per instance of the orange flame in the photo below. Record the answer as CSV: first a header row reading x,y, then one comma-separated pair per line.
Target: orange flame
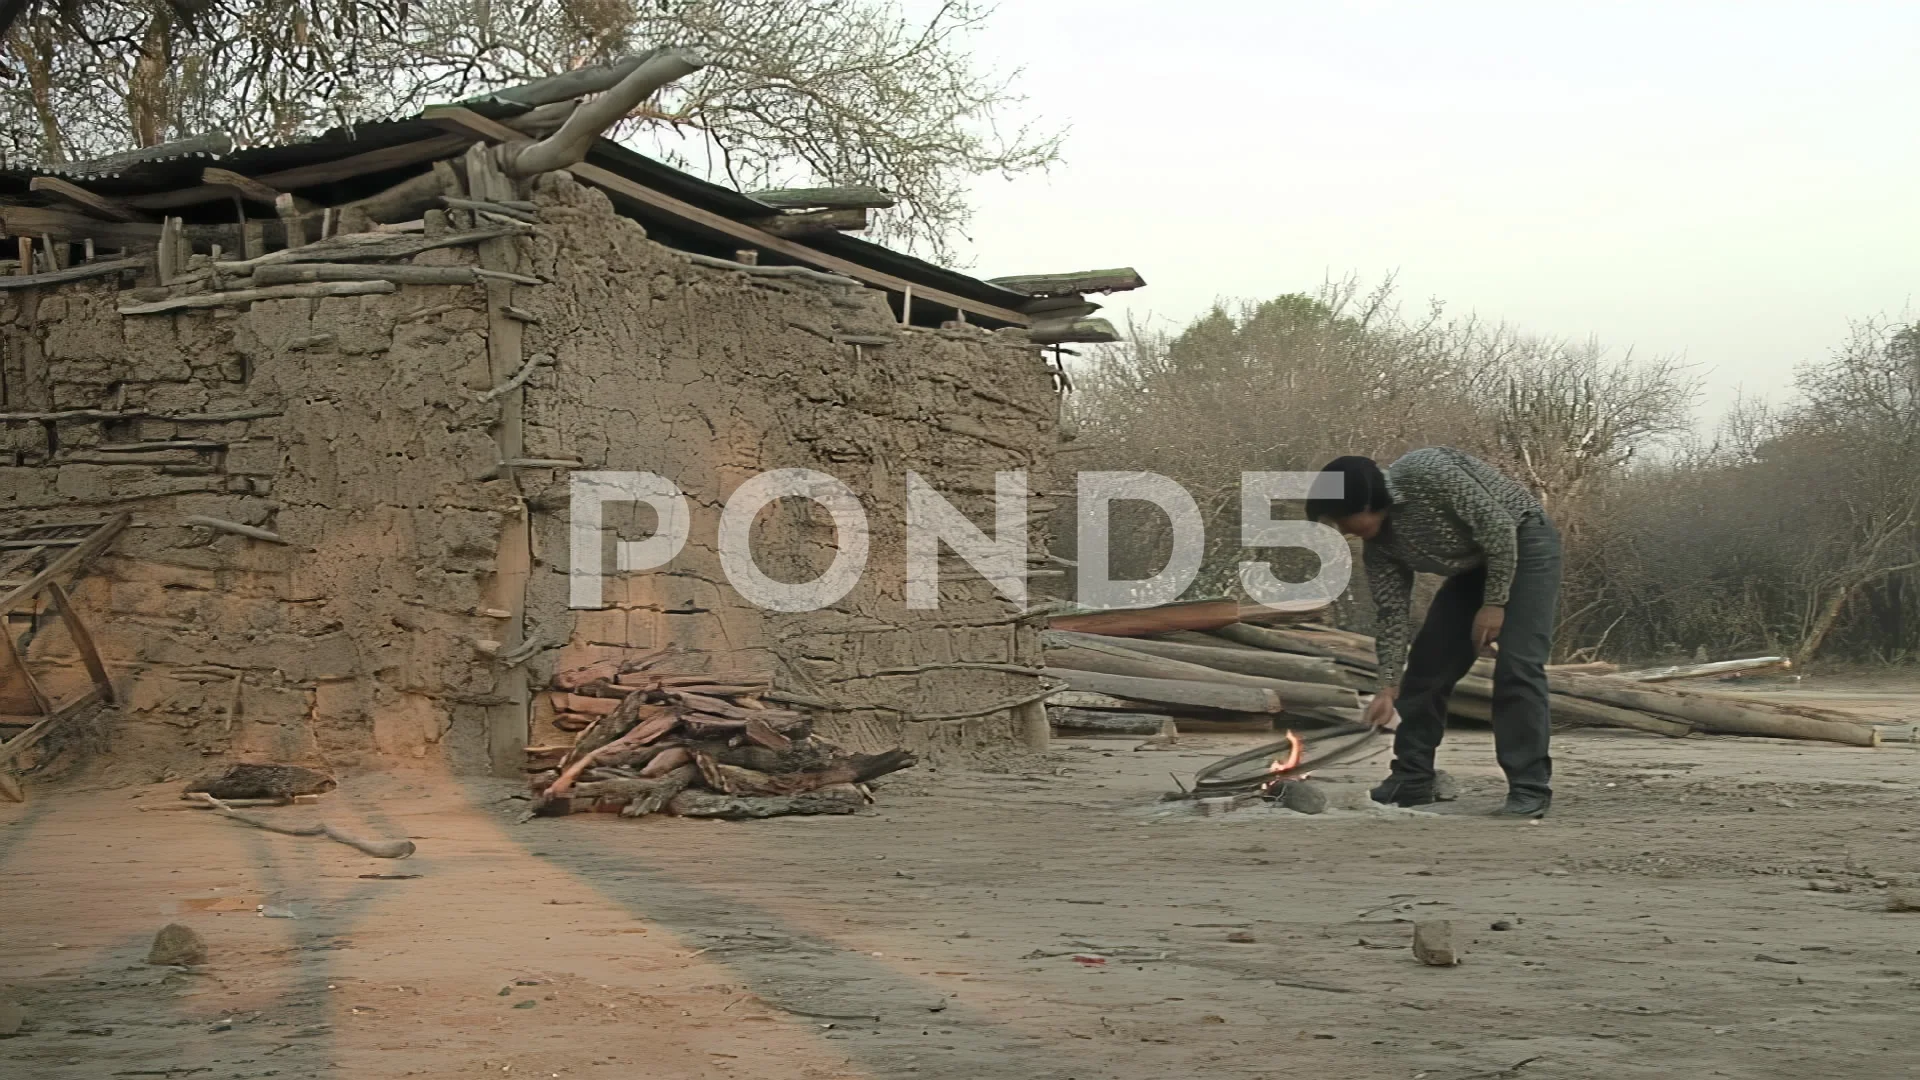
x,y
1280,767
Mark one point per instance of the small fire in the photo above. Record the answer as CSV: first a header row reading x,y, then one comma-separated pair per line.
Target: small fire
x,y
1280,767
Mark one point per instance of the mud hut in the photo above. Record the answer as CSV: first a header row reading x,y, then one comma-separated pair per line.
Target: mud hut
x,y
288,434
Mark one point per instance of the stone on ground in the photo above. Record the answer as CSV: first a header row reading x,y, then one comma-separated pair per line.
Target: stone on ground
x,y
176,944
1433,943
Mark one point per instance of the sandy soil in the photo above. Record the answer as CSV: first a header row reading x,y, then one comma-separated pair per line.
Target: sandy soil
x,y
1662,924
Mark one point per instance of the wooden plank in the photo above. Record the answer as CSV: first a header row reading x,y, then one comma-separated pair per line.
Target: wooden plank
x,y
467,120
71,562
247,186
10,652
325,172
13,747
82,640
1179,692
76,273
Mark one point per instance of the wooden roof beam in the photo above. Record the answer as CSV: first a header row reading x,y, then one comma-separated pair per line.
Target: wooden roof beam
x,y
1082,281
466,120
89,202
857,197
325,172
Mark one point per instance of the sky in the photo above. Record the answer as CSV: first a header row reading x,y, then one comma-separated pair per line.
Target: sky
x,y
1727,182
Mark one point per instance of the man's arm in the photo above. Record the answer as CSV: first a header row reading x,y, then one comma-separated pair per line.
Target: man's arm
x,y
1493,529
1391,582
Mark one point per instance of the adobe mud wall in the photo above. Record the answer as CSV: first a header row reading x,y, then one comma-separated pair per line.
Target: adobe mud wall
x,y
358,429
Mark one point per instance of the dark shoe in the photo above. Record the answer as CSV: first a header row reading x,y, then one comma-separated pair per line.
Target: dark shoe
x,y
1526,804
1403,791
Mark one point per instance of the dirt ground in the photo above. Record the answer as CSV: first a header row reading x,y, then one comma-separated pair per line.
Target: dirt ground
x,y
1661,923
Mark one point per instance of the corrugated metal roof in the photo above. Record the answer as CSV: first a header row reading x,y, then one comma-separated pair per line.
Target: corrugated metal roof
x,y
213,144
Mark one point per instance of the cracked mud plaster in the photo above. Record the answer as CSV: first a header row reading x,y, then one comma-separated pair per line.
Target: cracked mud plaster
x,y
362,641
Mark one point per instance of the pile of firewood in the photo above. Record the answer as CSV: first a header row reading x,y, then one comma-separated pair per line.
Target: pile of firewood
x,y
695,745
1148,671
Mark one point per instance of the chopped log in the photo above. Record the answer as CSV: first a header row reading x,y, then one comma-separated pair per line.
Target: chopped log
x,y
812,223
1708,713
1752,665
1204,695
1142,622
400,273
1265,664
669,759
248,296
568,146
761,733
1091,722
852,769
581,676
839,799
580,703
1070,331
853,197
77,273
635,757
88,202
1083,281
665,789
781,719
1117,661
572,721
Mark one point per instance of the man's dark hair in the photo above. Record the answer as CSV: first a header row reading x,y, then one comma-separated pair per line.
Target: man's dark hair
x,y
1346,486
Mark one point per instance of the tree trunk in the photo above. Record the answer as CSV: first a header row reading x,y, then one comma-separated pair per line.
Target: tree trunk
x,y
147,102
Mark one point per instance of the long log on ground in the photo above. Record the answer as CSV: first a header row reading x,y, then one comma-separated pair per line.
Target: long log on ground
x,y
1141,622
1701,671
1094,722
1473,698
1264,664
1297,642
840,799
1185,692
1118,661
1484,668
1721,715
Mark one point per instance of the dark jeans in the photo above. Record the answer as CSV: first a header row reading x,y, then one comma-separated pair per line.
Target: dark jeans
x,y
1442,652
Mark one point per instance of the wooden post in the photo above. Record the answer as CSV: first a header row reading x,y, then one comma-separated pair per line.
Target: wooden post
x,y
26,256
747,257
289,212
253,239
509,724
906,306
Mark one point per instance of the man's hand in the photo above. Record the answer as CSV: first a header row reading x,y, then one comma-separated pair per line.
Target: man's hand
x,y
1486,628
1380,711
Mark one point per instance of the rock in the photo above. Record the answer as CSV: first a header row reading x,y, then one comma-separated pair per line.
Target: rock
x,y
1903,900
1501,925
1433,943
176,944
1242,937
1445,787
525,1004
1303,797
1828,885
12,1018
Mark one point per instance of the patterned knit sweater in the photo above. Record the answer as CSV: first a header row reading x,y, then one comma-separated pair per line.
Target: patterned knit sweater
x,y
1451,513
